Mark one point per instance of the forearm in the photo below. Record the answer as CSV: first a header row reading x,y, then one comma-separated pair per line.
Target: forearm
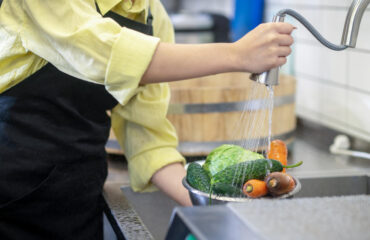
x,y
173,62
169,181
263,48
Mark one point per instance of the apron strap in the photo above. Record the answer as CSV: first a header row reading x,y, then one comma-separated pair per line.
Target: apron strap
x,y
126,22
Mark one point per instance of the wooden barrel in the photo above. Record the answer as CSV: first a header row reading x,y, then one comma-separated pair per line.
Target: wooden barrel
x,y
226,108
229,108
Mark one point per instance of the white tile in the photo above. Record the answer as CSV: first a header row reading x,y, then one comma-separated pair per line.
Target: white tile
x,y
309,95
359,111
329,23
305,113
333,22
336,3
320,62
334,105
359,70
329,101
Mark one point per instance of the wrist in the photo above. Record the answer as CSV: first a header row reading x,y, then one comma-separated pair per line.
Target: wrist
x,y
235,58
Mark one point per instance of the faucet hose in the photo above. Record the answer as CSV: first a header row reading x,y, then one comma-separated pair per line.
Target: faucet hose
x,y
311,28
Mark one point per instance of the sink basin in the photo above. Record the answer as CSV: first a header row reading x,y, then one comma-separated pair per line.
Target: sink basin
x,y
334,184
325,199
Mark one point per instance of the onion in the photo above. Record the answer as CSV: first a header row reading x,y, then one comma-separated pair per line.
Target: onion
x,y
279,183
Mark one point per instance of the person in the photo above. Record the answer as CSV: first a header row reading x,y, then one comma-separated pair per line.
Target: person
x,y
63,65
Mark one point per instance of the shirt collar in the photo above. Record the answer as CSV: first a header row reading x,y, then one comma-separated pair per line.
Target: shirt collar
x,y
106,5
127,5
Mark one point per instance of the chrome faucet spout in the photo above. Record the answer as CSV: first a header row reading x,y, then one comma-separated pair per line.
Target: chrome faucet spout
x,y
353,21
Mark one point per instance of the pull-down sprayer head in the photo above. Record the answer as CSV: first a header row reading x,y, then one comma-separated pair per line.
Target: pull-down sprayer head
x,y
271,77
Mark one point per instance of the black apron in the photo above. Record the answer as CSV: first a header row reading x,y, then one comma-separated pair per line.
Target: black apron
x,y
53,131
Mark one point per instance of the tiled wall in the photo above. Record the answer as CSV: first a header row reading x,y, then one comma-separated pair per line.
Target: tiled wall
x,y
333,88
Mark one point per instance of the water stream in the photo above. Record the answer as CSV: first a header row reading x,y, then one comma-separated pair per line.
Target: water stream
x,y
270,110
254,127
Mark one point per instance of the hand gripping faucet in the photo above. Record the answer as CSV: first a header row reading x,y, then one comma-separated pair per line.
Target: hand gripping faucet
x,y
349,37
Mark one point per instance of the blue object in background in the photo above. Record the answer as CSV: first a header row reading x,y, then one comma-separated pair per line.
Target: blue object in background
x,y
248,14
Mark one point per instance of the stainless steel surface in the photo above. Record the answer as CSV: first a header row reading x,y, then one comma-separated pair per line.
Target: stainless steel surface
x,y
297,218
331,218
271,77
208,223
353,21
341,183
199,198
251,105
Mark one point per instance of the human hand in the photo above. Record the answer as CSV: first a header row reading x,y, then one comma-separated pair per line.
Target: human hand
x,y
265,47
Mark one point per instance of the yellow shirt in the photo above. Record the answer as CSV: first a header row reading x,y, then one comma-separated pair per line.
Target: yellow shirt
x,y
74,37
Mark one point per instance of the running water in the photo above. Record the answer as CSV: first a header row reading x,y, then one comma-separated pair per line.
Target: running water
x,y
270,109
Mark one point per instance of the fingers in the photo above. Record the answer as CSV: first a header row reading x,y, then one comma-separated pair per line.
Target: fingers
x,y
284,28
266,47
276,62
284,40
284,51
276,34
281,61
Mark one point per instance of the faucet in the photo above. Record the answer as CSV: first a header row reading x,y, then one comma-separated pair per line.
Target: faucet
x,y
349,36
353,20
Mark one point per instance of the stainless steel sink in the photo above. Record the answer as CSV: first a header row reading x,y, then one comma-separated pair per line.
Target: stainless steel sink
x,y
319,203
340,183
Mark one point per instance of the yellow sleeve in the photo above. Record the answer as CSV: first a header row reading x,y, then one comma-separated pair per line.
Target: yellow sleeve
x,y
78,41
147,137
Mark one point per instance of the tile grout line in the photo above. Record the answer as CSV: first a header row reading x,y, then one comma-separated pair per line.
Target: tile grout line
x,y
332,83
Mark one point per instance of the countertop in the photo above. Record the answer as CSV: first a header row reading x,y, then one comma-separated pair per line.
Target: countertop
x,y
148,215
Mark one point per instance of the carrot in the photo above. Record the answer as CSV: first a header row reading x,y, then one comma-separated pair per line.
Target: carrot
x,y
255,188
278,151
